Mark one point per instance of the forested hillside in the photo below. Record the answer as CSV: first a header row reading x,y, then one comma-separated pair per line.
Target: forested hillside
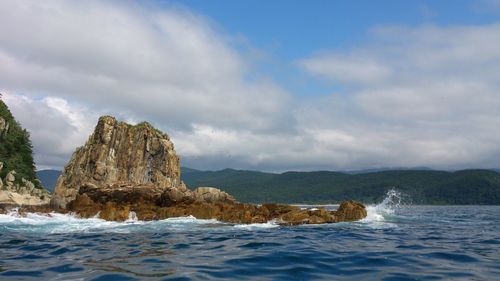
x,y
16,151
467,187
420,186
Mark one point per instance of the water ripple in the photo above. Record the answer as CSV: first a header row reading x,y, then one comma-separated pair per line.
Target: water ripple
x,y
414,243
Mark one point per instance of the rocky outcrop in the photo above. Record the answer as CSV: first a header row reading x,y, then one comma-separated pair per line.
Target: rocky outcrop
x,y
1,182
9,180
88,206
117,207
213,195
4,126
119,153
12,198
26,193
124,170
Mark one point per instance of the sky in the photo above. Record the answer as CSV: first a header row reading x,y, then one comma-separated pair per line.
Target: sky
x,y
262,85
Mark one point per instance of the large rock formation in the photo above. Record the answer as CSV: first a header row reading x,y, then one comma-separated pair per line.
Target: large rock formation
x,y
26,193
124,169
119,153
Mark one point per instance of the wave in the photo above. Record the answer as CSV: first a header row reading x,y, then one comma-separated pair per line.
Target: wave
x,y
383,214
55,223
388,207
379,215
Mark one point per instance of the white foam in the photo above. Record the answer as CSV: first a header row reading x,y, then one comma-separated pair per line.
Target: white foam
x,y
66,223
256,226
70,223
189,220
132,217
377,215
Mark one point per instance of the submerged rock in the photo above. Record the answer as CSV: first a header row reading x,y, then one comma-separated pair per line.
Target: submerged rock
x,y
124,169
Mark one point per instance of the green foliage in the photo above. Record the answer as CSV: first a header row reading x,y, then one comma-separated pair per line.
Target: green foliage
x,y
421,187
16,151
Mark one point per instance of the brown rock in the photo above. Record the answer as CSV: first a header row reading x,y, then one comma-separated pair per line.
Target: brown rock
x,y
172,196
120,153
350,211
213,195
112,211
4,126
84,206
9,180
123,169
122,193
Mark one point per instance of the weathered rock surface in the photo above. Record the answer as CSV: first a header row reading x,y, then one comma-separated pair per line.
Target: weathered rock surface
x,y
124,170
118,208
9,180
4,126
120,153
24,194
22,199
213,195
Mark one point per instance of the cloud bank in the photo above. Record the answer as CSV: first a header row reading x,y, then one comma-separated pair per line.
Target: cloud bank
x,y
411,96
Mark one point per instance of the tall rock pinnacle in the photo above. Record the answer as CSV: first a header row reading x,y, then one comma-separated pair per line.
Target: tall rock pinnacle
x,y
120,153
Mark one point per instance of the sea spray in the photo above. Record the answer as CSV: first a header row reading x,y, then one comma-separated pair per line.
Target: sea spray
x,y
132,217
391,203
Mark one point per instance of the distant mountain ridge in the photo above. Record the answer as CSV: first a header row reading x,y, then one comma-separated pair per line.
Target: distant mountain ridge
x,y
421,186
466,187
48,178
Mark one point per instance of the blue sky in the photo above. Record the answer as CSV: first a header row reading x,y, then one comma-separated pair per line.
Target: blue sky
x,y
292,29
264,85
289,30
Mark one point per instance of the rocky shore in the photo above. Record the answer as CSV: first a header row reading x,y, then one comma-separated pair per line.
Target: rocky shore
x,y
126,170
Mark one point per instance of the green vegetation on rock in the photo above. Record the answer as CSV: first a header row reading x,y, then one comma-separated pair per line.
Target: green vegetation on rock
x,y
16,151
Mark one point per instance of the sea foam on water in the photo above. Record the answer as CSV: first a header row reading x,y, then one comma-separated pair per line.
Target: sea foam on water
x,y
69,223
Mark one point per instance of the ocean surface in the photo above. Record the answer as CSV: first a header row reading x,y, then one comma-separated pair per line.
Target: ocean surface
x,y
395,242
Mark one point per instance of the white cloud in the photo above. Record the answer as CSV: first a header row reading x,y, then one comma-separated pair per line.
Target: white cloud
x,y
351,68
436,104
56,127
164,64
414,96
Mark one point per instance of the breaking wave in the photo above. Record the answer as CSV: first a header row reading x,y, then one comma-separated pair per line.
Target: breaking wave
x,y
388,207
378,215
386,213
69,223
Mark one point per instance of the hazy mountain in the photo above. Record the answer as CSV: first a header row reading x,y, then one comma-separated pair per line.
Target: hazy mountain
x,y
48,178
419,186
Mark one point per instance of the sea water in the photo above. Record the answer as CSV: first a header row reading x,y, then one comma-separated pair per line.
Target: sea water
x,y
395,242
